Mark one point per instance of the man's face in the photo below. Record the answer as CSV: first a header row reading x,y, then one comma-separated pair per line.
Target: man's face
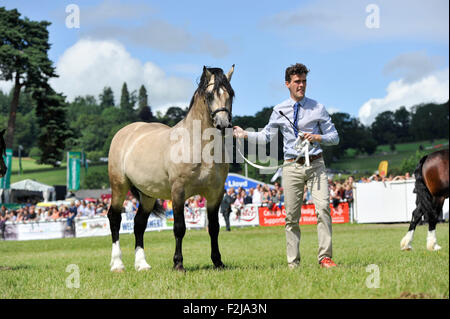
x,y
297,86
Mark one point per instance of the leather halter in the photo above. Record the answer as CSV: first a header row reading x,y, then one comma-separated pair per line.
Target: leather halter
x,y
221,109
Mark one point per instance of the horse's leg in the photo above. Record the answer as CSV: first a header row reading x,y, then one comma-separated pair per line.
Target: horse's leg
x,y
179,225
140,224
433,217
115,218
406,241
213,229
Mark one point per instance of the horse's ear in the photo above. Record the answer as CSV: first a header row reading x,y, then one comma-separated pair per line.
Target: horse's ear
x,y
207,73
2,132
230,73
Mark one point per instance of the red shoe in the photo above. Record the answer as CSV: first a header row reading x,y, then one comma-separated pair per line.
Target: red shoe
x,y
327,263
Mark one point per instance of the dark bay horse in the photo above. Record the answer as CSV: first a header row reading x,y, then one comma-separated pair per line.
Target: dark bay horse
x,y
431,188
153,162
3,167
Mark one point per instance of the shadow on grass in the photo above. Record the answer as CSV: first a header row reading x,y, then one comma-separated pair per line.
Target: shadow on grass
x,y
12,268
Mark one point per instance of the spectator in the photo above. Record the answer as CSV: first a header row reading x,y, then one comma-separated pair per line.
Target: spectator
x,y
225,206
348,194
266,198
239,202
248,199
257,195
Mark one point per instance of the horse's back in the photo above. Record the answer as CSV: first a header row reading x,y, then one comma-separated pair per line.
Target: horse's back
x,y
435,171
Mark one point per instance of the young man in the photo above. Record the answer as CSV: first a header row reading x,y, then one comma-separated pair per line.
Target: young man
x,y
311,118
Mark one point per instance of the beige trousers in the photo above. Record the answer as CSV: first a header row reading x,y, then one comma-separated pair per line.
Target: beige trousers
x,y
294,179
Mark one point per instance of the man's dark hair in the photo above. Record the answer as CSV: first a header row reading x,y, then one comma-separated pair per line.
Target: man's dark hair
x,y
298,69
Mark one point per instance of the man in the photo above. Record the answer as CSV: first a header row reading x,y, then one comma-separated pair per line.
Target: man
x,y
257,195
248,199
311,118
225,207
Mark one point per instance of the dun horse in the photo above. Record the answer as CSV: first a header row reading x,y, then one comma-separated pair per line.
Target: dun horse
x,y
431,188
141,159
3,167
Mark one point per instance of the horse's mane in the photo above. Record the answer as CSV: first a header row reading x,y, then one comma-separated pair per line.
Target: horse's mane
x,y
219,80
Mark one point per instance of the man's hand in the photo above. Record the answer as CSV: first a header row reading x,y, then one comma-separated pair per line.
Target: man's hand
x,y
312,137
239,132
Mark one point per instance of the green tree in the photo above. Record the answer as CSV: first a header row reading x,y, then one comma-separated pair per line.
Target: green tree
x,y
430,121
106,98
143,97
23,58
127,102
402,120
174,114
51,113
384,128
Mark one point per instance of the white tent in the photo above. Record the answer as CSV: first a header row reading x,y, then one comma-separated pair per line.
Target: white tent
x,y
48,192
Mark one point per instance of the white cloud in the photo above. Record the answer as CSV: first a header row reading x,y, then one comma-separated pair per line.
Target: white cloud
x,y
330,22
89,65
431,88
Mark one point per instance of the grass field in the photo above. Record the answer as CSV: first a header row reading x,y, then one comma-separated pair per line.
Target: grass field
x,y
255,260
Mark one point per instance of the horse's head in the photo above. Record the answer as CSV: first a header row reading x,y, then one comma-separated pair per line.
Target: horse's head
x,y
218,95
3,167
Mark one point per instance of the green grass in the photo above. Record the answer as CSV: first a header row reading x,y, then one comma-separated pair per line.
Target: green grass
x,y
255,259
46,174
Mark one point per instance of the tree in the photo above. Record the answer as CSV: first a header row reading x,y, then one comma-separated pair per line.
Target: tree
x,y
384,128
127,102
106,98
51,113
146,115
143,97
174,114
402,120
23,58
430,121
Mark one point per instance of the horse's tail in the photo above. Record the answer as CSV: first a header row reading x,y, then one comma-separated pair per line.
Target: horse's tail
x,y
158,209
424,198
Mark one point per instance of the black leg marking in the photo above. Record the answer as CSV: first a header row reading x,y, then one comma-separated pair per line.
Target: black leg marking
x,y
213,229
115,218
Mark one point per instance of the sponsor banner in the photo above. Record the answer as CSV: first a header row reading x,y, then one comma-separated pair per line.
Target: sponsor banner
x,y
5,181
92,227
247,216
195,217
32,231
276,217
100,226
73,170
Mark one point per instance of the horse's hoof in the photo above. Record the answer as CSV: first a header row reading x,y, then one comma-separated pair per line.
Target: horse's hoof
x,y
434,247
179,267
406,248
219,266
118,270
143,267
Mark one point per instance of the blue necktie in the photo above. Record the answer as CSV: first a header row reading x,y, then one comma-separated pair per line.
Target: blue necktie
x,y
296,107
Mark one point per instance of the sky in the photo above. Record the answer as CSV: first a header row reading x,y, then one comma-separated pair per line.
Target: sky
x,y
364,57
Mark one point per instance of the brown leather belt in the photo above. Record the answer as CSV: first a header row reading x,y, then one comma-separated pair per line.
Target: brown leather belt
x,y
301,160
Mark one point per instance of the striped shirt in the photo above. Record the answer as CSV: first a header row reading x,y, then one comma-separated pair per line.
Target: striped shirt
x,y
312,118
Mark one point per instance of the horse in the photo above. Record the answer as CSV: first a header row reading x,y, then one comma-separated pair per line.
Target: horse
x,y
3,167
144,158
432,189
